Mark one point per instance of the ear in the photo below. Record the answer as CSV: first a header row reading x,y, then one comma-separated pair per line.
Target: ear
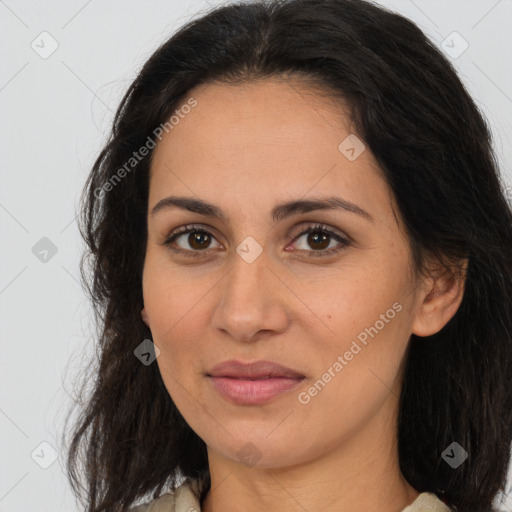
x,y
439,299
145,317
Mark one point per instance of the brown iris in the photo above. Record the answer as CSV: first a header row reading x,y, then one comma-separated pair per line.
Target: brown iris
x,y
317,237
201,238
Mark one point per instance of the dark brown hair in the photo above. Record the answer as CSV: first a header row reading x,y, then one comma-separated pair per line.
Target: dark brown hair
x,y
434,148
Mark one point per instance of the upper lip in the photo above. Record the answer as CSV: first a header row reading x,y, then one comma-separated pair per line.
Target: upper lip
x,y
257,369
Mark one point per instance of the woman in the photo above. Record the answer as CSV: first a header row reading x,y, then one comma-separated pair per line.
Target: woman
x,y
301,269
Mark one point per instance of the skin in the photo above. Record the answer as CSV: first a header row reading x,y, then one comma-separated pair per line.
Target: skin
x,y
246,148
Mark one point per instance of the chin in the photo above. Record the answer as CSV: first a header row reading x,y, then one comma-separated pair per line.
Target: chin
x,y
258,451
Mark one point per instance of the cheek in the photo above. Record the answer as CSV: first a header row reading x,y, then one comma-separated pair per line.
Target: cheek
x,y
354,301
180,362
175,311
357,371
369,324
171,296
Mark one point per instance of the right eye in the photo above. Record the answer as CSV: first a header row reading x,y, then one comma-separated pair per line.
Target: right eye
x,y
198,239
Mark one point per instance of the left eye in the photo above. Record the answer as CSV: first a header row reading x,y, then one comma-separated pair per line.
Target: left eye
x,y
321,238
199,240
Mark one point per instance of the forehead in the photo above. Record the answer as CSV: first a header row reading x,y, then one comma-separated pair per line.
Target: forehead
x,y
238,119
274,137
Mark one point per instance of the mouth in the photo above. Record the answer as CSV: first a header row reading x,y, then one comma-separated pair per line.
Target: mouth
x,y
253,383
252,371
253,391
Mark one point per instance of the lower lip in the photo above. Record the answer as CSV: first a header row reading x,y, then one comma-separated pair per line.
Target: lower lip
x,y
253,392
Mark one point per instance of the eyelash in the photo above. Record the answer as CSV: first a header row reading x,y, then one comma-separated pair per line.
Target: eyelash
x,y
313,228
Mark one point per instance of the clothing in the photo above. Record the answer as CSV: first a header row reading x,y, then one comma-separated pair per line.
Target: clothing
x,y
187,498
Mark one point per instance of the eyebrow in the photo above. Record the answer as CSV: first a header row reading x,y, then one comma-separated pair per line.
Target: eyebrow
x,y
279,212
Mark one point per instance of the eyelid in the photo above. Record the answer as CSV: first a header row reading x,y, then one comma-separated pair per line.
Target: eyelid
x,y
342,239
320,226
190,228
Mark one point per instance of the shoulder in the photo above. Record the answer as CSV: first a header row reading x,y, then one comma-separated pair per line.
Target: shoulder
x,y
427,502
430,502
186,497
166,502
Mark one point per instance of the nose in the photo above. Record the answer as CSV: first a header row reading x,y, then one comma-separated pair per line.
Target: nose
x,y
252,301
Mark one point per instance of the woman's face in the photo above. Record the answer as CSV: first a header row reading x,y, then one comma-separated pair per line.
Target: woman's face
x,y
253,286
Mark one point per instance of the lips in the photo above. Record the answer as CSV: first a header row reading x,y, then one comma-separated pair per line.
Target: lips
x,y
256,370
253,383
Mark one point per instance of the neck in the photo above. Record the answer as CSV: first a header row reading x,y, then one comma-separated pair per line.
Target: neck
x,y
360,474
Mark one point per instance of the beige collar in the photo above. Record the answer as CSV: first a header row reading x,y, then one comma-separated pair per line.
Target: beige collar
x,y
187,496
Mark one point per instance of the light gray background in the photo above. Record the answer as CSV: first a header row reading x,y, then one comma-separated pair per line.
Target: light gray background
x,y
55,114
